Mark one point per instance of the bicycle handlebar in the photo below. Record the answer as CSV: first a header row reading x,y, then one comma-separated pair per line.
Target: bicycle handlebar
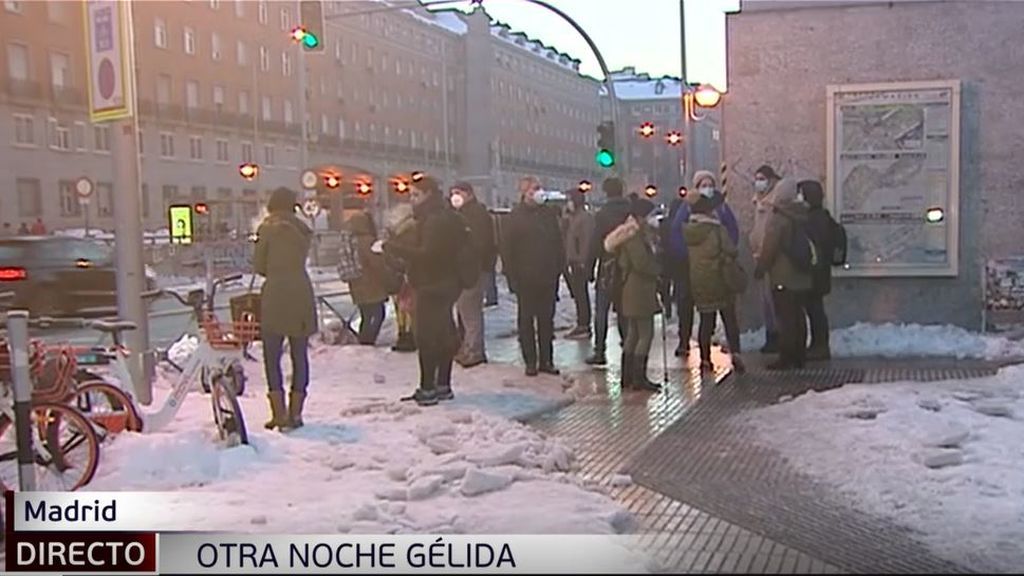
x,y
47,322
181,299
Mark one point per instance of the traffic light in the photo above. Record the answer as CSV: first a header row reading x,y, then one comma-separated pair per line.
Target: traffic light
x,y
401,185
364,188
682,191
249,171
605,156
647,129
651,191
332,181
674,138
417,176
202,208
311,24
585,186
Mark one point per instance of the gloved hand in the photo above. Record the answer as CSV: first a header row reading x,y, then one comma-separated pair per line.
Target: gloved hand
x,y
377,247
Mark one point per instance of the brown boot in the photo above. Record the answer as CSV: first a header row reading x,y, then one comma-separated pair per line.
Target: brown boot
x,y
295,402
278,412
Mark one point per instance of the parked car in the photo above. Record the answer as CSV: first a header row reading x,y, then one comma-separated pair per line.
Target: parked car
x,y
55,275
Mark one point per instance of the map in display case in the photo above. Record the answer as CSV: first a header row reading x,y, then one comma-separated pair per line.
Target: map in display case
x,y
893,176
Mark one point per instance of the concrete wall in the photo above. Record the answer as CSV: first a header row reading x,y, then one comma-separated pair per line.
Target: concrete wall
x,y
780,62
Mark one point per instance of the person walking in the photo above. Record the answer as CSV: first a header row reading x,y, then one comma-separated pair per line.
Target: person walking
x,y
470,305
712,256
533,259
633,245
765,182
821,230
287,309
579,232
433,274
790,282
371,289
614,212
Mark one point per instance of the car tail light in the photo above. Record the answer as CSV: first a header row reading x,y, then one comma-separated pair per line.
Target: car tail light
x,y
12,273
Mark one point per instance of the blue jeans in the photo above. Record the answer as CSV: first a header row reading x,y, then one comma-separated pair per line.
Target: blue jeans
x,y
273,348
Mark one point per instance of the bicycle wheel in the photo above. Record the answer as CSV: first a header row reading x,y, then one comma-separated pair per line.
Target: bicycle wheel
x,y
227,413
108,407
65,445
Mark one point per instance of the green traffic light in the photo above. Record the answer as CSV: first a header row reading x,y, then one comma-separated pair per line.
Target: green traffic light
x,y
605,159
310,40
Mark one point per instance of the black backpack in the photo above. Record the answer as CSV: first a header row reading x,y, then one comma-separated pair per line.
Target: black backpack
x,y
801,249
838,243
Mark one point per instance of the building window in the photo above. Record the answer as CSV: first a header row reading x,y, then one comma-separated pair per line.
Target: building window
x,y
218,97
268,154
163,89
30,197
242,53
199,193
141,142
145,201
105,199
264,58
369,58
60,72
222,150
288,113
70,207
24,130
243,103
17,61
192,94
101,137
325,127
190,41
341,127
170,195
286,64
78,137
337,50
13,6
56,12
286,19
166,145
239,8
215,4
60,136
215,47
268,113
195,147
246,152
160,33
226,205
263,12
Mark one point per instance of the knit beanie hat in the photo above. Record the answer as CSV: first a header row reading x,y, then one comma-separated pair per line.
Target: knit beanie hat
x,y
702,174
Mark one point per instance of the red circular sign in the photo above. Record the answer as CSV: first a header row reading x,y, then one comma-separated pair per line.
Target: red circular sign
x,y
106,78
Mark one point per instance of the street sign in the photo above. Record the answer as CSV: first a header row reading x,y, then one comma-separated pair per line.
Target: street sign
x,y
311,208
180,222
309,180
109,60
83,187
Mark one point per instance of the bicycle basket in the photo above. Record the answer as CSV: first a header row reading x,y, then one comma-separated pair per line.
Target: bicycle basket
x,y
245,309
231,335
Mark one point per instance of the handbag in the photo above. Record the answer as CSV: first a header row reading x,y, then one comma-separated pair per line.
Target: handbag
x,y
245,309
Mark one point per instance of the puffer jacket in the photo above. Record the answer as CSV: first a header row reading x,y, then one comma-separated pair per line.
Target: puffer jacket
x,y
631,243
288,306
709,246
779,229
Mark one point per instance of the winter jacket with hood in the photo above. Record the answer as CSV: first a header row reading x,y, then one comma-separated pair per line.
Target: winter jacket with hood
x,y
481,226
632,245
429,254
288,307
579,234
709,246
532,253
762,213
608,217
779,229
677,246
370,287
820,229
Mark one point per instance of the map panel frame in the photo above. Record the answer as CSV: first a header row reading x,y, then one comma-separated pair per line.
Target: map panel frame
x,y
893,159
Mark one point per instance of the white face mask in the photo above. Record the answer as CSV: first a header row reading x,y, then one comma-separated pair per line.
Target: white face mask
x,y
457,201
538,196
760,185
707,191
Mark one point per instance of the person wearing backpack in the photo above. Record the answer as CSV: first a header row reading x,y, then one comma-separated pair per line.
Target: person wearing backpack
x,y
822,229
433,272
376,280
533,259
613,213
787,257
470,305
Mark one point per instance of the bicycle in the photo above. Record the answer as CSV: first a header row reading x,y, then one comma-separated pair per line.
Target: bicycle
x,y
60,432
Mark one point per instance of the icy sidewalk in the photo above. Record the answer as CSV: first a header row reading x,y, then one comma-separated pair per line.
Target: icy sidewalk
x,y
944,459
365,463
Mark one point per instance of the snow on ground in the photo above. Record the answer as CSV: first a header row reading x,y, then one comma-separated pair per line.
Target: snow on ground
x,y
366,463
944,459
909,340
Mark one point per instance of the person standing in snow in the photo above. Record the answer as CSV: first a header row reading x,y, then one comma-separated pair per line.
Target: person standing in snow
x,y
821,230
431,264
401,225
370,290
765,183
287,305
633,245
470,305
579,233
608,218
533,259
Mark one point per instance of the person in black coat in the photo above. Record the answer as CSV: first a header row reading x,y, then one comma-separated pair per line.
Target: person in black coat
x,y
608,218
470,306
533,259
431,269
820,229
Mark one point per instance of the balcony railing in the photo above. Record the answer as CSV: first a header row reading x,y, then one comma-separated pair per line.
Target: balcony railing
x,y
18,88
67,96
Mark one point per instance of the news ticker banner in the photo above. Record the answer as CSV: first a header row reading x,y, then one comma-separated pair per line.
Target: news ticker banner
x,y
158,533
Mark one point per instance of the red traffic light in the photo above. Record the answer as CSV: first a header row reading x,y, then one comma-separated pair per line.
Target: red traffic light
x,y
647,129
585,186
401,186
364,188
332,181
674,138
202,208
249,171
651,190
682,191
298,33
417,176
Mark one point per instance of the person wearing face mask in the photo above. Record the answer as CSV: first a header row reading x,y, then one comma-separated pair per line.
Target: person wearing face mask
x,y
533,259
470,306
634,247
579,232
766,181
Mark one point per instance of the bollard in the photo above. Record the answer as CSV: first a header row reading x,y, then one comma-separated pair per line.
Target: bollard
x,y
17,339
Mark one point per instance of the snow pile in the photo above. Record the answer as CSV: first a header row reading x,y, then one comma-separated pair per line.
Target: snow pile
x,y
366,463
944,459
909,340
